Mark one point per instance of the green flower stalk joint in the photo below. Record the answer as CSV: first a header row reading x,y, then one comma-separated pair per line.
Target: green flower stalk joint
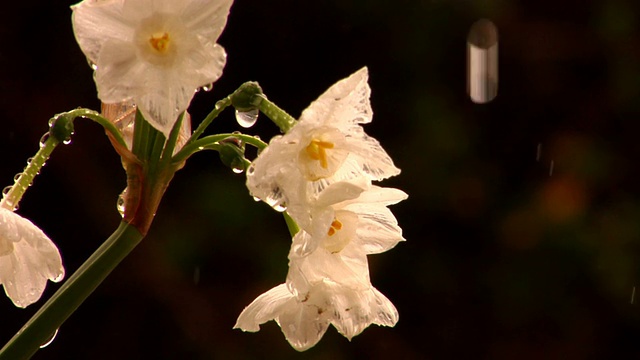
x,y
150,58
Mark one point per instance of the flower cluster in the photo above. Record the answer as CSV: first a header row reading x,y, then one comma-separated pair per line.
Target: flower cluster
x,y
321,172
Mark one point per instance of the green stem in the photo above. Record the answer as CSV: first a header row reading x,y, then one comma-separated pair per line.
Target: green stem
x,y
71,294
95,116
12,198
207,141
280,117
220,105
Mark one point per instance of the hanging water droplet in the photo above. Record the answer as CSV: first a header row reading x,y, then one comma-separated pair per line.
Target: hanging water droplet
x,y
48,342
6,190
238,169
29,160
67,141
280,207
207,87
92,65
17,176
247,119
52,121
256,199
120,204
43,139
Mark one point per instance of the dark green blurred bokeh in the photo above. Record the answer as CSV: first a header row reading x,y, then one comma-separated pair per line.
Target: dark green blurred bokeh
x,y
503,261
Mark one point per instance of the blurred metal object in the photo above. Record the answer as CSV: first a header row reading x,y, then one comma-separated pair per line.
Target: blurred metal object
x,y
482,61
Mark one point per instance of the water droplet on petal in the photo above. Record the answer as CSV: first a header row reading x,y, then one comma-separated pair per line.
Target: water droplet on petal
x,y
256,199
247,119
48,342
121,201
43,139
92,65
207,87
280,207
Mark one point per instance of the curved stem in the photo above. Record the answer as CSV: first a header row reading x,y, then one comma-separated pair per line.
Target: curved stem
x,y
207,141
220,105
280,117
12,198
106,123
71,294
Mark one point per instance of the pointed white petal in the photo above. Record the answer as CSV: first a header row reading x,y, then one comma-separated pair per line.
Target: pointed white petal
x,y
265,307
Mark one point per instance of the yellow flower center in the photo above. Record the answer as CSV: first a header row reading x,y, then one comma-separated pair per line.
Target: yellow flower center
x,y
317,150
336,225
160,42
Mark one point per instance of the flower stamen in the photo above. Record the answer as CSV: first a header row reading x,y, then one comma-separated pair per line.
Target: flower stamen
x,y
317,150
160,42
336,225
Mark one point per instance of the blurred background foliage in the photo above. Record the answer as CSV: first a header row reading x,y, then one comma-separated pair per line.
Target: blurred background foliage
x,y
505,258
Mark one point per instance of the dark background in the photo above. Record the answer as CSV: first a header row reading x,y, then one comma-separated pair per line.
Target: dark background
x,y
503,260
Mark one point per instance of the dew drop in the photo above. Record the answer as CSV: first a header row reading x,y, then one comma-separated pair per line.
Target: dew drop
x,y
247,119
207,87
48,342
17,176
121,201
237,170
280,207
92,65
44,139
256,199
6,190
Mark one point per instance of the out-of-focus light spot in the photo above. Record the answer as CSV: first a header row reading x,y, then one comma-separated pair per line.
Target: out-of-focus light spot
x,y
482,61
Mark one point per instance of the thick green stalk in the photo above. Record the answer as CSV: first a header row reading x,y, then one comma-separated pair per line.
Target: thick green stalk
x,y
71,294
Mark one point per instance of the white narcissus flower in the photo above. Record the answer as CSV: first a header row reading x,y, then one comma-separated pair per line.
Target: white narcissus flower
x,y
345,214
326,145
305,318
154,52
27,259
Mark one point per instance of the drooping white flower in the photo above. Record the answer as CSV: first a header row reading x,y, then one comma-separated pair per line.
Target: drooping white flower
x,y
346,214
326,145
305,318
155,52
27,259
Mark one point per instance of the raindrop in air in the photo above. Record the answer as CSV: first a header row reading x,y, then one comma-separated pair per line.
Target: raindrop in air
x,y
247,119
121,201
48,342
44,139
482,61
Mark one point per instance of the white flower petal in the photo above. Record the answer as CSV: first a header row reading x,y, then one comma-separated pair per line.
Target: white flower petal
x,y
264,308
95,21
355,311
27,260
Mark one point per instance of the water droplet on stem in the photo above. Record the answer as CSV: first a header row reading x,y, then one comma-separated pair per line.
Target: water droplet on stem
x,y
247,119
48,342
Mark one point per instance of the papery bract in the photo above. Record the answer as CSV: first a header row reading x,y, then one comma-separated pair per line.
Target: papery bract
x,y
27,259
155,52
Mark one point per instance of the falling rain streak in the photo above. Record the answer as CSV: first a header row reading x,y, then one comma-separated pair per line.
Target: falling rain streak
x,y
633,295
482,61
